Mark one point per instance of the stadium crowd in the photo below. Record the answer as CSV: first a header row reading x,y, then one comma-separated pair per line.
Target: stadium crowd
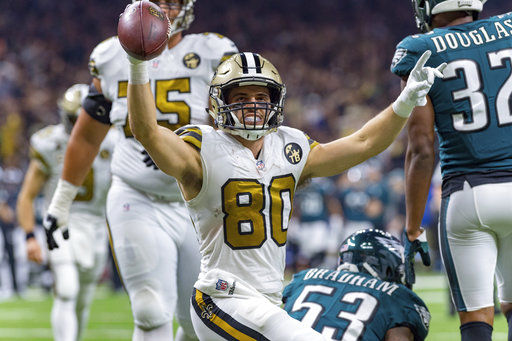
x,y
334,56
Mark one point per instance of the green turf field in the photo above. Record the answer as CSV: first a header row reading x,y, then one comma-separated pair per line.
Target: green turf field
x,y
29,318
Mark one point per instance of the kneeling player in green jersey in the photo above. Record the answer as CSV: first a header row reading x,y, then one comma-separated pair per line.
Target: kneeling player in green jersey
x,y
364,298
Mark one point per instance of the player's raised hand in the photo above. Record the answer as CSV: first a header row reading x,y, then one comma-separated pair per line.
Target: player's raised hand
x,y
418,85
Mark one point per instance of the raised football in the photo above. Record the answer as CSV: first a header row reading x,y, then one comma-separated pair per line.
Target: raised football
x,y
143,30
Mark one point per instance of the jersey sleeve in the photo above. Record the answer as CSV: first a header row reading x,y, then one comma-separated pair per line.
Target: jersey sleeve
x,y
193,135
221,48
39,148
98,104
410,312
101,56
312,143
407,53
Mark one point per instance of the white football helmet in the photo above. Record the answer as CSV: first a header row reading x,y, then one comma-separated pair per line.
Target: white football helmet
x,y
425,9
69,104
244,69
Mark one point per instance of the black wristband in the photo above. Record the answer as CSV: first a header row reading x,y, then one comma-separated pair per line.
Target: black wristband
x,y
29,235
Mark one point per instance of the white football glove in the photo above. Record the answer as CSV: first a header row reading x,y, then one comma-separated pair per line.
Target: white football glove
x,y
418,85
58,212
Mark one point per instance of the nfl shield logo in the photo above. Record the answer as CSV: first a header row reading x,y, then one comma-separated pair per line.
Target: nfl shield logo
x,y
221,285
260,165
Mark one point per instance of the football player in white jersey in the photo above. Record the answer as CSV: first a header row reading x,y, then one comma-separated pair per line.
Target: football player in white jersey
x,y
78,263
153,238
238,182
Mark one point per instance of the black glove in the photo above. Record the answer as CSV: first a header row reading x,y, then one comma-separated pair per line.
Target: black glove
x,y
411,248
50,226
148,160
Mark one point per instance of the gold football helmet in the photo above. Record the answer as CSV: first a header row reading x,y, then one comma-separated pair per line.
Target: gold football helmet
x,y
244,69
70,103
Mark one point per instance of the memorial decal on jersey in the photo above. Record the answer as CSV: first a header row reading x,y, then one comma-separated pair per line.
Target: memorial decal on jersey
x,y
293,153
191,60
424,314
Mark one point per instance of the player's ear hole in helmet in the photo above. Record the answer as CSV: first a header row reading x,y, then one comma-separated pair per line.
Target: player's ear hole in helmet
x,y
374,252
240,70
69,104
424,10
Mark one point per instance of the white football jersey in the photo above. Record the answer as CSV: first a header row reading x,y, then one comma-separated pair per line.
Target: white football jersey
x,y
242,212
48,147
180,79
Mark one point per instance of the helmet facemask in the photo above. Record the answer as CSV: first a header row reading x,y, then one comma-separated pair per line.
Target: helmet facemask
x,y
184,18
257,119
250,120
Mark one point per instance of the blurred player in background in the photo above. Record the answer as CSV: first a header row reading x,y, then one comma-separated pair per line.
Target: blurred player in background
x,y
364,298
471,111
319,224
239,182
153,238
78,263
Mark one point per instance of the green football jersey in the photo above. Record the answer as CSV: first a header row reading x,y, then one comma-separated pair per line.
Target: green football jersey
x,y
345,305
473,103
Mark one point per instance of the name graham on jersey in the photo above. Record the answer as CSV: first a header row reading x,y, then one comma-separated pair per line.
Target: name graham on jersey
x,y
353,279
455,40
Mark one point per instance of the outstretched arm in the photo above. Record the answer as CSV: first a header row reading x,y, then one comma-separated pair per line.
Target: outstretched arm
x,y
377,134
170,153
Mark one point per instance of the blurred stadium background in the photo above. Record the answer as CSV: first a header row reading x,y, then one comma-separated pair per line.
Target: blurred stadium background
x,y
334,57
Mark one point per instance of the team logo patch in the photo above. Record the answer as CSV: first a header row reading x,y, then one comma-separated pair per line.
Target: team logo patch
x,y
104,154
293,153
221,285
191,60
207,312
399,55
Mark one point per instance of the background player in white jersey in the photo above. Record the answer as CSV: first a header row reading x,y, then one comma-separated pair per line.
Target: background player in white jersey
x,y
239,181
78,263
153,238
